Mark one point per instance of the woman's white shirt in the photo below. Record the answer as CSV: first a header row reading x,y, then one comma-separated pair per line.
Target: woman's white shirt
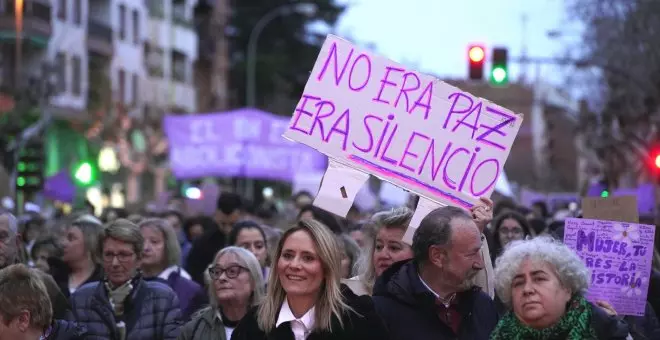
x,y
301,327
228,330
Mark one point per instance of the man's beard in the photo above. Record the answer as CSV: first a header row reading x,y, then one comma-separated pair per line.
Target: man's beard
x,y
464,284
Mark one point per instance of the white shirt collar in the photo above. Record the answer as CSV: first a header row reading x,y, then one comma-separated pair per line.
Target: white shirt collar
x,y
286,315
428,287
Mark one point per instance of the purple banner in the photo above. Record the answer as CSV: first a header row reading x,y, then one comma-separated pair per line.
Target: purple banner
x,y
619,257
644,193
245,143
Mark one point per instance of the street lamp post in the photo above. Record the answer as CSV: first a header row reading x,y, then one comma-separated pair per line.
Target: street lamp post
x,y
251,91
251,72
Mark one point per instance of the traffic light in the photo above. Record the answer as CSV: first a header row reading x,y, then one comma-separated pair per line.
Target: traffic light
x,y
29,167
85,173
499,74
476,58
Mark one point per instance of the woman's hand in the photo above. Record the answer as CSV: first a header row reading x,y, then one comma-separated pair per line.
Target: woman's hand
x,y
482,213
607,307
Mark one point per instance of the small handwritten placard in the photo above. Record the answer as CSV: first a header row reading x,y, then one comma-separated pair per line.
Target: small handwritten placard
x,y
620,208
619,256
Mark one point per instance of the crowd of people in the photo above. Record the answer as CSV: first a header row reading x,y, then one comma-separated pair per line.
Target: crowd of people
x,y
497,271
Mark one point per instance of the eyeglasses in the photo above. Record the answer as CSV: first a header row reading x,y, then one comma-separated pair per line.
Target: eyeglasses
x,y
121,257
231,272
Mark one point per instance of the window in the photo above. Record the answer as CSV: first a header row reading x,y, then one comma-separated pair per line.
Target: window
x,y
77,12
61,10
76,75
135,87
122,85
179,66
122,22
136,27
60,63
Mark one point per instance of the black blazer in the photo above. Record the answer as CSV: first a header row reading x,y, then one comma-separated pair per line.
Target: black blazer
x,y
366,325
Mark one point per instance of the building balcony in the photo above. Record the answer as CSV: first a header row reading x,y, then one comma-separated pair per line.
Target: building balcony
x,y
99,38
176,37
161,93
37,21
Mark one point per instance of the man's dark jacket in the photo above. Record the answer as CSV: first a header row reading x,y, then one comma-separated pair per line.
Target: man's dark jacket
x,y
409,310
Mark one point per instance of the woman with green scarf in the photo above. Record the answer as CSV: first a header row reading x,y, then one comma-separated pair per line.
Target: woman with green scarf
x,y
542,282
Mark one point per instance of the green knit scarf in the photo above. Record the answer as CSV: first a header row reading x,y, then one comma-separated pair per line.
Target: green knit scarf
x,y
574,325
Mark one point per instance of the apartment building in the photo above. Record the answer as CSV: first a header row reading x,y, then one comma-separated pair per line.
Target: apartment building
x,y
171,50
139,53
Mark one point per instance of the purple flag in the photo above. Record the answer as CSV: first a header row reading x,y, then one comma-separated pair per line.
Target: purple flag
x,y
245,142
60,187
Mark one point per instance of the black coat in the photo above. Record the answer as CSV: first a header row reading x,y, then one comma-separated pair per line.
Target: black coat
x,y
67,330
202,253
361,326
151,312
409,310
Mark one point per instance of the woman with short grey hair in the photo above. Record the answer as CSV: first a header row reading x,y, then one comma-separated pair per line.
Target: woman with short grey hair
x,y
237,284
162,259
543,284
123,305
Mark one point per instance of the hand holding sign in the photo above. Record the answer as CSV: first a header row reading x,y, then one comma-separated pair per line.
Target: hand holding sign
x,y
370,114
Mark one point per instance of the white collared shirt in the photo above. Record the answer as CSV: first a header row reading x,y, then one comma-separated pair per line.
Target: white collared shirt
x,y
428,287
300,327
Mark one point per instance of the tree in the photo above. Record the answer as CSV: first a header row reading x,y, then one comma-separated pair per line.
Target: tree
x,y
287,50
621,39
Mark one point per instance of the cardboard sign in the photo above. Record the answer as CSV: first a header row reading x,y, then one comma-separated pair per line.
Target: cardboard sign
x,y
621,208
619,256
371,114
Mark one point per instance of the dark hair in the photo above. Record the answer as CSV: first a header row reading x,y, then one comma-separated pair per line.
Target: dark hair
x,y
48,243
228,202
504,204
326,218
435,229
173,212
301,193
543,207
556,229
242,225
538,225
506,214
206,222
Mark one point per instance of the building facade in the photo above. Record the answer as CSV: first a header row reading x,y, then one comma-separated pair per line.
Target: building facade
x,y
544,155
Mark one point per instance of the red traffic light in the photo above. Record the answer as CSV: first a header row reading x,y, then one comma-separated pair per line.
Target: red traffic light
x,y
476,54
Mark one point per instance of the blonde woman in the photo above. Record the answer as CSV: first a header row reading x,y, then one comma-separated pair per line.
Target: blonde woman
x,y
385,248
161,260
305,299
237,285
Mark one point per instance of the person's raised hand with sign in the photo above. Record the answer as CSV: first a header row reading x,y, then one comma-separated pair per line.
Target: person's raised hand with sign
x,y
482,213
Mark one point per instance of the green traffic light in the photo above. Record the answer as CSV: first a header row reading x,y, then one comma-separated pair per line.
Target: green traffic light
x,y
499,75
85,173
21,167
605,194
20,181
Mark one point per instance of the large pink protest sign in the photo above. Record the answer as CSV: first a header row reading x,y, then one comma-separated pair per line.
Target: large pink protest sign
x,y
372,114
619,256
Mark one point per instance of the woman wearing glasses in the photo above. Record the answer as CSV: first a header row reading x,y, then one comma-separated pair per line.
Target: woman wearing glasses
x,y
123,306
236,285
508,226
305,299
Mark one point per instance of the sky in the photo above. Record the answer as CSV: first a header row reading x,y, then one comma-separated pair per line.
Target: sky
x,y
432,35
